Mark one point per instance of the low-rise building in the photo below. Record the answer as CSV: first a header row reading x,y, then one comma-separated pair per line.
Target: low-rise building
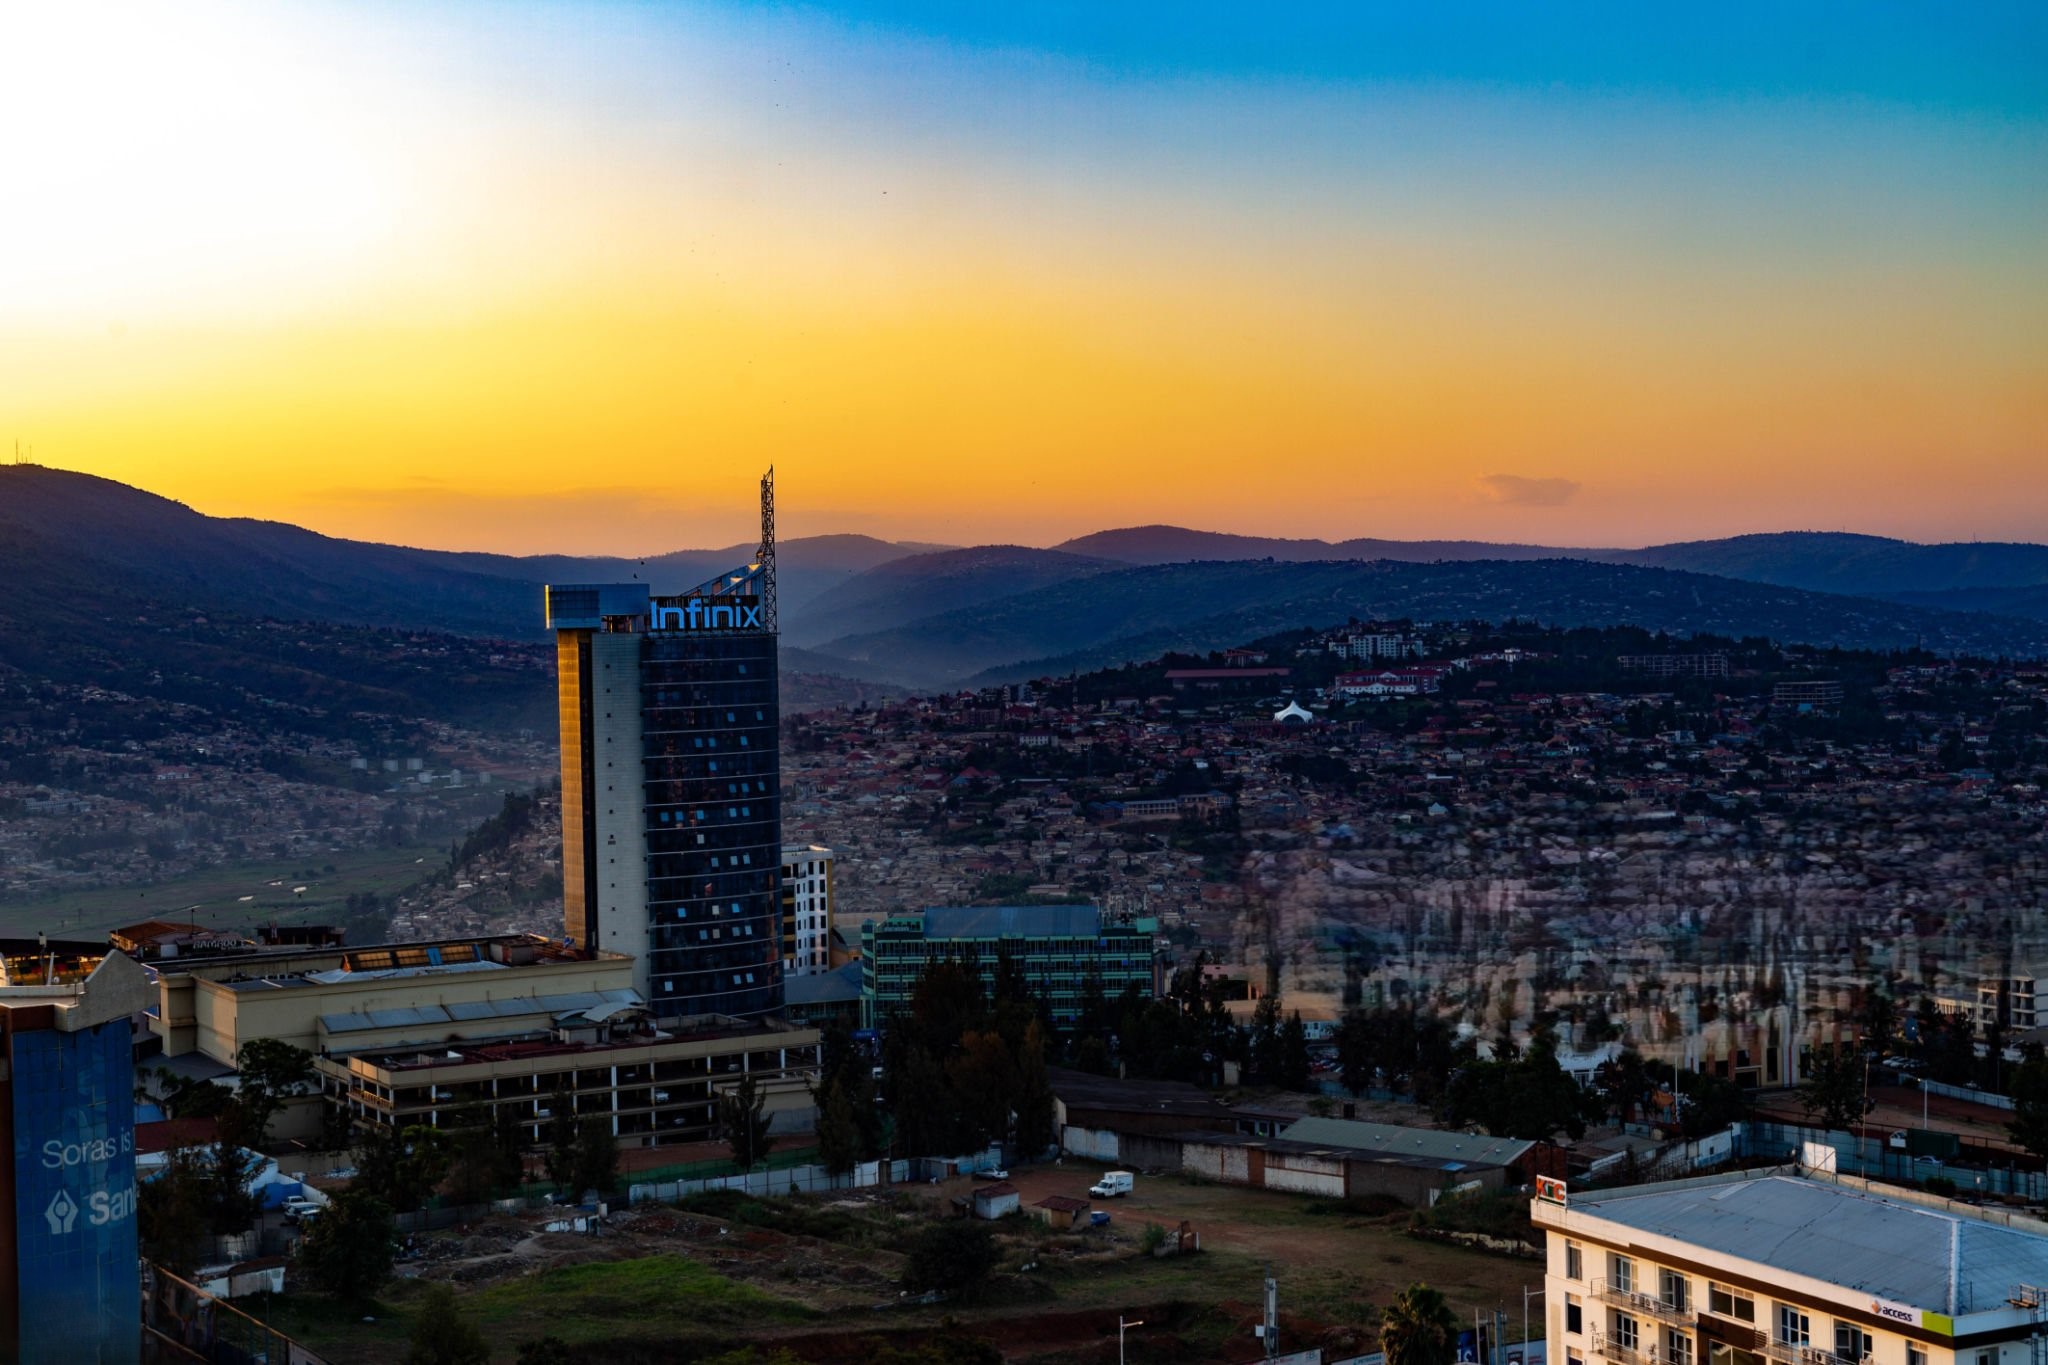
x,y
1782,1267
1060,949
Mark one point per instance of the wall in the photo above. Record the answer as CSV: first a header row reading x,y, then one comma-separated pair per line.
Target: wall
x,y
1097,1144
72,1114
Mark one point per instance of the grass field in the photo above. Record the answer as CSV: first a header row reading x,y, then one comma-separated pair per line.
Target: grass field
x,y
664,1298
214,897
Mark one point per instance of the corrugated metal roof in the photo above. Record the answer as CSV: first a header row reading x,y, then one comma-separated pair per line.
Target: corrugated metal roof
x,y
1012,921
471,1011
839,984
1862,1241
1391,1139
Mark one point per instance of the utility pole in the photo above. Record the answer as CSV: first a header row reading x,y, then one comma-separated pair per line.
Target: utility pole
x,y
1527,1292
1271,1331
1120,1326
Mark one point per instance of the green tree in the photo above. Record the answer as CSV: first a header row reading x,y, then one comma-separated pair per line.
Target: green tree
x,y
2029,1089
597,1157
954,1256
1529,1097
1294,1058
444,1335
1417,1328
404,1167
743,1123
560,1159
1035,1105
1266,1058
174,1211
270,1073
838,1134
1625,1082
549,1350
349,1249
1832,1093
1357,1063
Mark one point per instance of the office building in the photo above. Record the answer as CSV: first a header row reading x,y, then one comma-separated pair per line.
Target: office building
x,y
671,801
1788,1268
70,1288
1059,948
806,910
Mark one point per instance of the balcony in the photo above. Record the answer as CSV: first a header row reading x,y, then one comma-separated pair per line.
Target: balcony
x,y
1786,1353
1640,1304
1606,1346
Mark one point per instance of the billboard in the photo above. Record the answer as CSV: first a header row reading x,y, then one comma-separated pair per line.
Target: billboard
x,y
74,1181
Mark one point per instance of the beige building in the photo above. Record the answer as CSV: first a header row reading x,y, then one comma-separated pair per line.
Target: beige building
x,y
510,1016
1778,1267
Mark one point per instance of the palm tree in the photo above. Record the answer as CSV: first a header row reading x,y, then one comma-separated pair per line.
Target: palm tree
x,y
1417,1329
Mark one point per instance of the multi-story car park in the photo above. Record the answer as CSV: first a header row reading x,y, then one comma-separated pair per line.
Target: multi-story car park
x,y
1781,1267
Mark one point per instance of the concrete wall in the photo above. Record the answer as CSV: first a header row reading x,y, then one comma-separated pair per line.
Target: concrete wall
x,y
1096,1144
1303,1174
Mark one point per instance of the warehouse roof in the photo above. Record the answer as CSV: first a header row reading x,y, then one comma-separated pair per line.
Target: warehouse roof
x,y
1387,1139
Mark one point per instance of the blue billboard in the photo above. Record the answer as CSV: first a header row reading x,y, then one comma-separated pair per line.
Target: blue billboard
x,y
74,1182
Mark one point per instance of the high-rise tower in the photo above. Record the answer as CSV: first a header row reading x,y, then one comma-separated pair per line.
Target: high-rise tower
x,y
671,782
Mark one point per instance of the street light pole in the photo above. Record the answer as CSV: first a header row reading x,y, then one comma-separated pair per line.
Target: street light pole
x,y
1120,1326
1527,1292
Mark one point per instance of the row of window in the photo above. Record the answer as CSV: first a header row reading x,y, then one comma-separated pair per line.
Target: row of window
x,y
1792,1324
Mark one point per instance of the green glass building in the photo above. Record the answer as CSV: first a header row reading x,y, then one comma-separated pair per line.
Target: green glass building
x,y
1055,945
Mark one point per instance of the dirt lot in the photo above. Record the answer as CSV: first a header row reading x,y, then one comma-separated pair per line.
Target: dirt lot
x,y
819,1274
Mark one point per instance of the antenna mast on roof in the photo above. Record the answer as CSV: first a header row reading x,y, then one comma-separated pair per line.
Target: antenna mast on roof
x,y
765,556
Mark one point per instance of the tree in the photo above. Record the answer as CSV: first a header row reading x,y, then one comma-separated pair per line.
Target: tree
x,y
1529,1097
547,1350
560,1160
2029,1126
953,1256
1417,1328
271,1072
1035,1105
1356,1065
404,1167
174,1211
982,1077
1624,1082
443,1335
743,1124
1294,1059
838,1133
1266,1062
1832,1093
597,1157
349,1249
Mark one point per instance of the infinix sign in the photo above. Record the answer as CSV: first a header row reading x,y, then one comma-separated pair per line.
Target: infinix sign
x,y
700,613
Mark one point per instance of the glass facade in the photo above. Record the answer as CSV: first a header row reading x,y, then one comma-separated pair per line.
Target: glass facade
x,y
74,1179
713,814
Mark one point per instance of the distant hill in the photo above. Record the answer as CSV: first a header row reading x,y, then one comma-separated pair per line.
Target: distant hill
x,y
1137,613
157,548
1179,545
1869,566
909,589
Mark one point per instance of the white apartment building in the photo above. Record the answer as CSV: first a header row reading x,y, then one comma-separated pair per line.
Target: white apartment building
x,y
806,910
1777,1267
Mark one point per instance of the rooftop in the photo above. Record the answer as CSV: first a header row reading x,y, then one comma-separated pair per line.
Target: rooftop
x,y
1387,1139
1013,921
1927,1255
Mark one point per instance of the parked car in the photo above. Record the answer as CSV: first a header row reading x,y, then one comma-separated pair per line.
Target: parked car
x,y
1112,1185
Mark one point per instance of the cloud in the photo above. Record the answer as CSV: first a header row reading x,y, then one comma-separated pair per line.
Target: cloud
x,y
1520,491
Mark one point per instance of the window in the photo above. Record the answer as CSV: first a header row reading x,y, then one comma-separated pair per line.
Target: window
x,y
1675,1290
1677,1346
1625,1333
1574,1315
1574,1262
1730,1303
1793,1327
1916,1354
1851,1341
1621,1274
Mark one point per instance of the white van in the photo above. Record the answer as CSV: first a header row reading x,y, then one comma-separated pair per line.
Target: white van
x,y
1112,1185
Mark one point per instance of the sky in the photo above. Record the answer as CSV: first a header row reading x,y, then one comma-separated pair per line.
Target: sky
x,y
531,277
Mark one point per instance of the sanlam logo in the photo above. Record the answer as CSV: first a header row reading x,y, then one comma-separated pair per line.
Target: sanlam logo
x,y
62,1213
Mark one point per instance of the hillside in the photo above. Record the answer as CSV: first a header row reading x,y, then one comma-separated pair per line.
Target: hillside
x,y
1868,566
909,589
1138,613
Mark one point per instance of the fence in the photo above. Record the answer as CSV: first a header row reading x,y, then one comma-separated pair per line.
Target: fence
x,y
1963,1092
1868,1156
796,1179
182,1322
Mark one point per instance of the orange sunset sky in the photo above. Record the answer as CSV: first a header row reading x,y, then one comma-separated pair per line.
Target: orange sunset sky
x,y
566,278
